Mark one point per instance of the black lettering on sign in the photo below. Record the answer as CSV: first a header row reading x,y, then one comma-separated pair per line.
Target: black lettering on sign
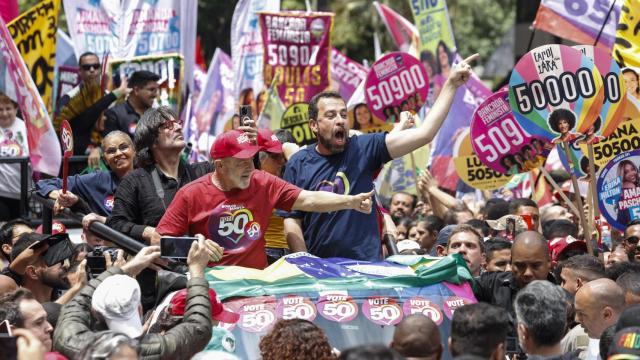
x,y
626,33
30,42
42,74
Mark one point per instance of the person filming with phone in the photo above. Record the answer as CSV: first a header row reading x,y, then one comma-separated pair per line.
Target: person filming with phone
x,y
232,205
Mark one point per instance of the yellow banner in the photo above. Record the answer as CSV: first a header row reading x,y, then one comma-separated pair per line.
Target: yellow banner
x,y
472,171
34,33
626,50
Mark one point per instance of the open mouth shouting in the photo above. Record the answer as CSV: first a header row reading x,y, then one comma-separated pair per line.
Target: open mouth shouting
x,y
340,136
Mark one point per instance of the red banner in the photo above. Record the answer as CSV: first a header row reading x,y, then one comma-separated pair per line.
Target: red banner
x,y
296,53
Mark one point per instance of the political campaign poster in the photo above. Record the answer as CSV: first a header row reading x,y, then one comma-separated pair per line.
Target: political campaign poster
x,y
500,142
397,82
556,93
346,74
625,138
297,53
626,50
216,102
619,189
362,120
354,302
169,67
34,33
68,78
246,44
402,31
472,170
437,54
580,20
44,148
296,119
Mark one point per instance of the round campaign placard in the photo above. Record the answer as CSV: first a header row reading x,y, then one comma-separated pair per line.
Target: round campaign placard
x,y
471,170
396,82
615,94
625,138
382,310
296,120
619,190
420,305
500,142
66,137
257,315
296,307
452,303
556,92
337,306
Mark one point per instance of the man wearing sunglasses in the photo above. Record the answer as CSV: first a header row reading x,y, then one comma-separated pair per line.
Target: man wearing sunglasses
x,y
84,104
631,238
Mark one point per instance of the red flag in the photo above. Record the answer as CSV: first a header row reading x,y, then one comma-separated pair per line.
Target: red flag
x,y
403,32
200,55
9,10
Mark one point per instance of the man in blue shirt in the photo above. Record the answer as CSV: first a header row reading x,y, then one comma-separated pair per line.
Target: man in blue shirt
x,y
346,165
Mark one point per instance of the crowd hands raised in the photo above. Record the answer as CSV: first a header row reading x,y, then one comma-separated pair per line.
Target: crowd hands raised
x,y
540,293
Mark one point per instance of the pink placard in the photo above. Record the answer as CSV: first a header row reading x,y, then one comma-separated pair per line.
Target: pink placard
x,y
397,82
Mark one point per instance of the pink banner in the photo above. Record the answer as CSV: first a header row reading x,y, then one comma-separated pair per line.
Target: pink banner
x,y
346,74
44,148
296,53
403,32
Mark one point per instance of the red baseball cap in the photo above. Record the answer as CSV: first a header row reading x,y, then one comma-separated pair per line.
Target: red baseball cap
x,y
218,312
269,141
234,143
559,245
56,228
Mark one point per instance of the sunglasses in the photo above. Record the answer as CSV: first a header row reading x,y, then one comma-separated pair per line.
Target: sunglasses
x,y
632,239
87,67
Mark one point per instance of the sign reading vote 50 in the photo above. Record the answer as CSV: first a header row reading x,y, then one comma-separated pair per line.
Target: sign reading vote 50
x,y
395,81
556,92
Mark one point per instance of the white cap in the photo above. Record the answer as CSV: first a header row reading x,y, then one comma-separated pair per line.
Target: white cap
x,y
407,245
117,299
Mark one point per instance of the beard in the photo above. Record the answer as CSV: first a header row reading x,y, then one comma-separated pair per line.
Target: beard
x,y
326,142
58,280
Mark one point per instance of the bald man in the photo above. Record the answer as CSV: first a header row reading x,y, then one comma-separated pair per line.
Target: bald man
x,y
417,337
529,261
598,305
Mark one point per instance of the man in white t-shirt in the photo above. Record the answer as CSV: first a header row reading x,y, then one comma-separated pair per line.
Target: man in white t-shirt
x,y
13,143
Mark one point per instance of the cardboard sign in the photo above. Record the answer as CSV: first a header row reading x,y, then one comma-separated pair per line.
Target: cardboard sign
x,y
500,142
471,170
296,120
66,137
397,82
619,190
556,92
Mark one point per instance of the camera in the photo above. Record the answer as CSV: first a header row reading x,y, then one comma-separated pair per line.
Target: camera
x,y
96,261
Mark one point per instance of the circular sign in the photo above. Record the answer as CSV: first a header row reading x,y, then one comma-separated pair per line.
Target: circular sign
x,y
66,137
338,307
296,120
382,310
420,305
396,82
615,93
296,307
500,142
471,170
619,190
452,303
256,315
556,92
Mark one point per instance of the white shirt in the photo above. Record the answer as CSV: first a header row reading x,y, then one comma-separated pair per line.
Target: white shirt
x,y
13,143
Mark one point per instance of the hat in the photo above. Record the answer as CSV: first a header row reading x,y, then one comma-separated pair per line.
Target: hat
x,y
407,245
559,245
56,228
117,299
630,317
218,312
626,341
234,143
442,239
501,224
269,142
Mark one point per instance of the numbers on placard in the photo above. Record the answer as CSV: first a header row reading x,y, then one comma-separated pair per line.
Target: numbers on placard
x,y
501,138
399,86
259,319
66,139
611,87
608,150
341,310
554,90
289,54
384,313
299,311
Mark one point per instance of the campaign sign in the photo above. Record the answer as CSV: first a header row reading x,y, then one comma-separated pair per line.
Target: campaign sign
x,y
296,120
382,310
420,305
500,142
619,190
556,92
296,307
471,170
615,92
66,135
256,314
396,82
625,138
337,306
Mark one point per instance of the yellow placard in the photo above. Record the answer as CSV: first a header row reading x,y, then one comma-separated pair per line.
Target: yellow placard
x,y
471,170
625,138
296,120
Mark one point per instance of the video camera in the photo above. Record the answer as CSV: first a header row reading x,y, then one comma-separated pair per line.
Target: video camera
x,y
96,262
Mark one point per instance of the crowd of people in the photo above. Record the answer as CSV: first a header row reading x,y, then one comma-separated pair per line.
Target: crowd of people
x,y
540,293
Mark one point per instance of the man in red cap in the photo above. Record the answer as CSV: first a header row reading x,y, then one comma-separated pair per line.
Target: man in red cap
x,y
233,204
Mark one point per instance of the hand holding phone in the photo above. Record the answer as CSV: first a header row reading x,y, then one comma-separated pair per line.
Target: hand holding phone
x,y
246,113
176,247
